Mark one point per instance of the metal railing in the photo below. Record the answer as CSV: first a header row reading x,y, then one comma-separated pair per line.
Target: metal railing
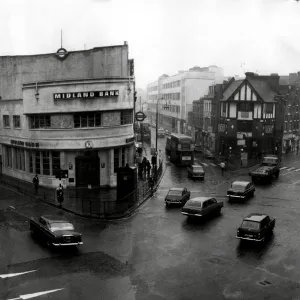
x,y
96,202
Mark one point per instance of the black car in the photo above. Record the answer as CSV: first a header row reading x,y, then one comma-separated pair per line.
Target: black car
x,y
177,196
196,171
256,227
202,207
55,231
240,190
208,154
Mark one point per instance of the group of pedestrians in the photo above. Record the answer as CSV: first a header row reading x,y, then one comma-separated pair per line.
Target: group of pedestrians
x,y
144,169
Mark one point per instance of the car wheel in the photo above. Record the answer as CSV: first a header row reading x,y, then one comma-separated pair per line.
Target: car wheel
x,y
167,205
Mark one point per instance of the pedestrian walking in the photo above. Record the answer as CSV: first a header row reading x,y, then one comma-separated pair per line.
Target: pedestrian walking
x,y
35,182
297,149
222,165
60,195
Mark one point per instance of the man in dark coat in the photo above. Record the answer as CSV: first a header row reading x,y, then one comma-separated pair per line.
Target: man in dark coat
x,y
35,182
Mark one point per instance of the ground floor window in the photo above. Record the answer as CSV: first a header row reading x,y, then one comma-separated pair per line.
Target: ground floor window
x,y
32,161
30,155
8,157
46,163
37,162
55,161
116,159
20,159
123,157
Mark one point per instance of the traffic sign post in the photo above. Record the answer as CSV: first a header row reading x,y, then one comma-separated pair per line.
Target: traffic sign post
x,y
140,116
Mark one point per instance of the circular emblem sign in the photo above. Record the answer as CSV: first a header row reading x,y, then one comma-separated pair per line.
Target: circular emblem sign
x,y
140,116
88,144
61,53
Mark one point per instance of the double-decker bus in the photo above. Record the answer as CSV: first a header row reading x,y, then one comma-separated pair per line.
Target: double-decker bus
x,y
145,130
180,148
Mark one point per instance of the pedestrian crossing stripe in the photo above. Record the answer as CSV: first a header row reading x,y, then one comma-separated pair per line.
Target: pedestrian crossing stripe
x,y
297,170
290,169
283,168
212,164
206,165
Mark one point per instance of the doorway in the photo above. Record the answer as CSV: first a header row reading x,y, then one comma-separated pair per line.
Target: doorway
x,y
88,169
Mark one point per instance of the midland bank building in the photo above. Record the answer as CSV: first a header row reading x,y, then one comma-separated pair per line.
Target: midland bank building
x,y
70,111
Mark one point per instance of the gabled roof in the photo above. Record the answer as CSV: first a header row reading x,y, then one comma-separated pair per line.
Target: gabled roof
x,y
232,88
263,89
259,85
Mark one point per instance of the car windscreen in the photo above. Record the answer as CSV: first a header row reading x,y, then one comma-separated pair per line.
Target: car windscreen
x,y
270,162
250,225
175,193
61,226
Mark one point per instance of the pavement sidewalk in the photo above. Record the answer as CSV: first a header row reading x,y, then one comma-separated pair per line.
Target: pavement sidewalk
x,y
95,202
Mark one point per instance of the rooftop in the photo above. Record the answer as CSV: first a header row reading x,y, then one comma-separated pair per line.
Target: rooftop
x,y
243,183
201,199
255,217
176,189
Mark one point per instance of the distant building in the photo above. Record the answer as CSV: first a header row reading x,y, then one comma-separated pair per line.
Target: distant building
x,y
206,116
67,110
177,93
288,114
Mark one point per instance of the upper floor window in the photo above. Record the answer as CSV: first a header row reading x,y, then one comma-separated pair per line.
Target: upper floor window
x,y
268,108
245,106
126,117
39,121
87,120
6,121
17,121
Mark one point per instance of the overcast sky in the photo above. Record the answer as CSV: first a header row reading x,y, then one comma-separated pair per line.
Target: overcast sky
x,y
164,36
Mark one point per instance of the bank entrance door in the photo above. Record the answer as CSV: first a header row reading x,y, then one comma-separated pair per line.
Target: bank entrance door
x,y
87,170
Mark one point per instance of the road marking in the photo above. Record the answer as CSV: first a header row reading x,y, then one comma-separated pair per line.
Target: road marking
x,y
296,182
290,169
28,296
283,168
15,274
206,165
297,170
212,164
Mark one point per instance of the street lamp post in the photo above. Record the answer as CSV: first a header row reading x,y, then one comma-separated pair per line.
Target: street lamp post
x,y
156,124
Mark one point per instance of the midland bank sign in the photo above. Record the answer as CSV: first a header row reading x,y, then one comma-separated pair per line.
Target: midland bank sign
x,y
86,95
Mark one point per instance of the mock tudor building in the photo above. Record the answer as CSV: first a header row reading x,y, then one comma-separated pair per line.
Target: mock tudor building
x,y
248,124
70,111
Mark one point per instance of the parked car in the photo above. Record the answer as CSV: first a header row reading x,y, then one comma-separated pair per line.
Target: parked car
x,y
256,227
208,154
160,132
240,190
196,171
202,207
55,231
177,196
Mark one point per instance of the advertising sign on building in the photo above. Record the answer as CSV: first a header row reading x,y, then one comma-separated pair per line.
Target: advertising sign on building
x,y
241,142
239,136
86,95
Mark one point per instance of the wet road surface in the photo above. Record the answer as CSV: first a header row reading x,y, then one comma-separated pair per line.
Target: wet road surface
x,y
158,253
